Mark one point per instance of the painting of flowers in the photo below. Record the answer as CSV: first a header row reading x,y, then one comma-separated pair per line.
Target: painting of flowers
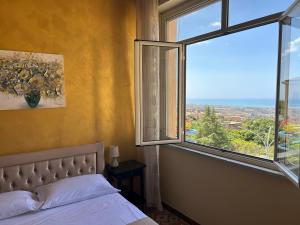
x,y
31,80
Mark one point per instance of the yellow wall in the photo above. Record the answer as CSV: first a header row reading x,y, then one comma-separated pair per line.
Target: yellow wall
x,y
215,192
96,38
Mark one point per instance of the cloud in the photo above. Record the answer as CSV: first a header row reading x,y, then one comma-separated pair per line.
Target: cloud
x,y
294,45
215,24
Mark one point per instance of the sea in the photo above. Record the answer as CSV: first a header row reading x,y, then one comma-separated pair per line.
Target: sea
x,y
257,103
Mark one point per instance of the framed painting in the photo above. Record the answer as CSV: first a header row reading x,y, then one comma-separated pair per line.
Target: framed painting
x,y
31,80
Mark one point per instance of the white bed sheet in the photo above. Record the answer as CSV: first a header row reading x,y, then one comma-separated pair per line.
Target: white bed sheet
x,y
110,209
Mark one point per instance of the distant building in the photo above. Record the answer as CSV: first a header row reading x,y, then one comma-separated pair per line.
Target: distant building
x,y
234,125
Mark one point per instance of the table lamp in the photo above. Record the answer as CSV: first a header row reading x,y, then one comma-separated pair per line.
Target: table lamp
x,y
114,154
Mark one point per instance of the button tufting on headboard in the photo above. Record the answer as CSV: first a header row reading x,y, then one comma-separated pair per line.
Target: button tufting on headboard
x,y
27,176
21,172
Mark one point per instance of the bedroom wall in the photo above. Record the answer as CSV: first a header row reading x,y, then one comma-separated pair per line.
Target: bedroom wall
x,y
214,192
96,38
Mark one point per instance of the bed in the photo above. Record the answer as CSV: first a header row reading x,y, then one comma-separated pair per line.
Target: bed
x,y
29,170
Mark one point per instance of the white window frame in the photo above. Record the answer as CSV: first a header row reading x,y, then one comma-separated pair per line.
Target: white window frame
x,y
139,90
186,8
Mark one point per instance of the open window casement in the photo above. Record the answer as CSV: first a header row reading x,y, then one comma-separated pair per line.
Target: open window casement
x,y
158,92
287,150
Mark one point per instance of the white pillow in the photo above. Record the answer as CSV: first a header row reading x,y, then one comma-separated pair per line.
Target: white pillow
x,y
17,202
73,189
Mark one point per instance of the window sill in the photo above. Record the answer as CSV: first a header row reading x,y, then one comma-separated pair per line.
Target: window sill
x,y
257,164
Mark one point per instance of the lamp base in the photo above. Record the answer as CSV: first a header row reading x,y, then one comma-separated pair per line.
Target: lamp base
x,y
114,162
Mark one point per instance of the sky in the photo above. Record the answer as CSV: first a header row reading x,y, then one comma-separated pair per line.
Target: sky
x,y
237,66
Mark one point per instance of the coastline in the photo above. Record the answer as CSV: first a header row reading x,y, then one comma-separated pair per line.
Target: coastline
x,y
253,103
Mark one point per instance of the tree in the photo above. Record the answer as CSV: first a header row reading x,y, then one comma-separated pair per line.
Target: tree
x,y
246,147
211,131
255,137
261,131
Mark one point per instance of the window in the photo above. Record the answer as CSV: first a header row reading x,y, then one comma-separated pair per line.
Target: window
x,y
231,91
244,10
200,21
288,146
158,81
240,98
231,74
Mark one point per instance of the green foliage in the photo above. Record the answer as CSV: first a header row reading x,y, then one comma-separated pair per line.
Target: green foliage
x,y
211,132
255,137
245,147
260,130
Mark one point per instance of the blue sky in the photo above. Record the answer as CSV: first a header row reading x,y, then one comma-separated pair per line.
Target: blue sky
x,y
237,66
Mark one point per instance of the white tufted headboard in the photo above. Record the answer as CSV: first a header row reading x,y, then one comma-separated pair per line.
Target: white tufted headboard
x,y
28,170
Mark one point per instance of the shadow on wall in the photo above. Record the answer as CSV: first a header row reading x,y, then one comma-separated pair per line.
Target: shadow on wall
x,y
114,85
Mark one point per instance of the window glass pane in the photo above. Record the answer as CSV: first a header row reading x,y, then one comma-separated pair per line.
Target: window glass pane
x,y
289,98
244,10
201,21
230,92
160,93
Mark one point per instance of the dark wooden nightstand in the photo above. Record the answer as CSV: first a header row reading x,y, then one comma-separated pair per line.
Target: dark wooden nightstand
x,y
127,170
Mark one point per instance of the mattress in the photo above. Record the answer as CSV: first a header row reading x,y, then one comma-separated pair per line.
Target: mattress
x,y
110,209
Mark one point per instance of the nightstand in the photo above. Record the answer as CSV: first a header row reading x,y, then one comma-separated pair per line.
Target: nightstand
x,y
127,170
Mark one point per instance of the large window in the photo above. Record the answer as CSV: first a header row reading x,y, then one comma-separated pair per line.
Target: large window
x,y
241,98
230,73
231,91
